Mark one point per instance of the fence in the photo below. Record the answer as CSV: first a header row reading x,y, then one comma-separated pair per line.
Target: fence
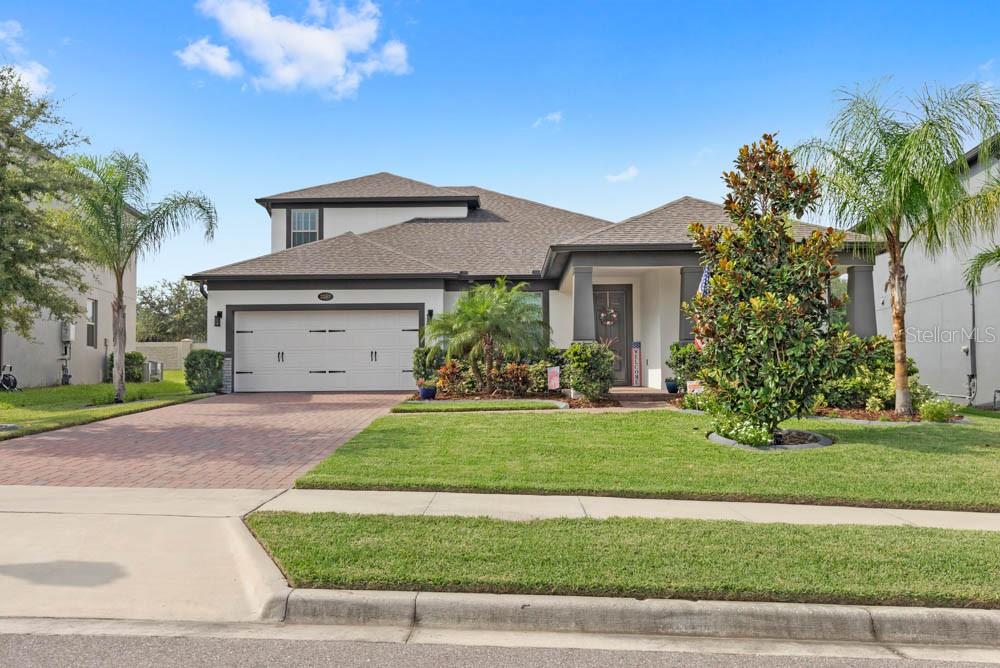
x,y
170,353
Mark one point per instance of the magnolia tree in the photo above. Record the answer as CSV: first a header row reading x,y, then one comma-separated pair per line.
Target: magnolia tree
x,y
763,322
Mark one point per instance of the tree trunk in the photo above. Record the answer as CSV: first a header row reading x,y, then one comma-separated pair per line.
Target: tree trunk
x,y
488,357
897,297
118,332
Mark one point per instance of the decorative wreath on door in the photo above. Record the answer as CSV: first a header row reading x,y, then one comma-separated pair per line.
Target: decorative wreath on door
x,y
608,316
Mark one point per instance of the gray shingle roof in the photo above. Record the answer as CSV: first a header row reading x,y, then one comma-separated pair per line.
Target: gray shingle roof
x,y
348,254
505,236
382,185
668,224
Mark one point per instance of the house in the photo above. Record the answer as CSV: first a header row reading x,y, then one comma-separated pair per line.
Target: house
x,y
952,334
83,345
359,266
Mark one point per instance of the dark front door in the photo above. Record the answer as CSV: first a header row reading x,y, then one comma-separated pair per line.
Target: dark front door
x,y
613,325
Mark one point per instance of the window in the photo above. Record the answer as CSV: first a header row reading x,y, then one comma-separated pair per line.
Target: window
x,y
92,323
304,227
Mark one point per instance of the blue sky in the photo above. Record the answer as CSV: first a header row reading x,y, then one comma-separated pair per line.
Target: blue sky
x,y
545,100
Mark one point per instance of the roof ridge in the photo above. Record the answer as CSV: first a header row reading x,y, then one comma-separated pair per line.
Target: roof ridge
x,y
364,238
531,201
287,193
664,206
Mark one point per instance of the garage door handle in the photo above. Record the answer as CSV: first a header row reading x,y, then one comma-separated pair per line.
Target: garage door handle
x,y
334,331
242,372
415,329
376,356
371,355
336,372
244,331
317,372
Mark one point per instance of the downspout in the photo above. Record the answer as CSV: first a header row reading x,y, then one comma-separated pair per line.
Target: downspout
x,y
971,383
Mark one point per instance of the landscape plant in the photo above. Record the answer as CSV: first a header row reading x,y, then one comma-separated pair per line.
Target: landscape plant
x,y
489,323
895,170
767,343
938,410
133,366
590,367
203,370
41,262
119,226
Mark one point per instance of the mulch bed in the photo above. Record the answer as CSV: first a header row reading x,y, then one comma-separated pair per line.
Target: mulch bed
x,y
888,415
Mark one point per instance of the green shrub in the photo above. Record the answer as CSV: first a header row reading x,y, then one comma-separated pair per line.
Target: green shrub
x,y
874,404
685,360
133,366
868,374
426,362
698,401
768,341
203,371
938,410
590,369
456,378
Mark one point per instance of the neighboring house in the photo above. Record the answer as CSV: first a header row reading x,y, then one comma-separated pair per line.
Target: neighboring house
x,y
84,344
358,267
952,335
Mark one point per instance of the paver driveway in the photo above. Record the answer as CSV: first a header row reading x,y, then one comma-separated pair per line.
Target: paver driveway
x,y
250,441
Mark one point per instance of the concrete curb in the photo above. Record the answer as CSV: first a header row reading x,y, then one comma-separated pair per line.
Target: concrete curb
x,y
264,585
584,614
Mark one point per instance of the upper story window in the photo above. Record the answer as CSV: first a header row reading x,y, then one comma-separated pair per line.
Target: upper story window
x,y
92,323
304,226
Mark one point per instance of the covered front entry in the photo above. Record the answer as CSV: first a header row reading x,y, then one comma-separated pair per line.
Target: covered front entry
x,y
328,349
613,326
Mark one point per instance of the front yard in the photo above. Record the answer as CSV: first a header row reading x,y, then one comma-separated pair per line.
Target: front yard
x,y
665,454
637,558
45,408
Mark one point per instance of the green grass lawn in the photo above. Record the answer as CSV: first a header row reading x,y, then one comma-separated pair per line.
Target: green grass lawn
x,y
631,557
665,454
43,408
467,406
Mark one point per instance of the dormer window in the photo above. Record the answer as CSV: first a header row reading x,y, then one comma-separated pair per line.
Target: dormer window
x,y
303,226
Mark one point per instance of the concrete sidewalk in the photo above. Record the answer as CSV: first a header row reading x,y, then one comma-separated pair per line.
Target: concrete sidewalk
x,y
127,553
529,507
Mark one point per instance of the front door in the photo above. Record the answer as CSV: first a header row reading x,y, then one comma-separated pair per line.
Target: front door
x,y
613,325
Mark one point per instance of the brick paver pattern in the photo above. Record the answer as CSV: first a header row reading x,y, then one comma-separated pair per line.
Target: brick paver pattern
x,y
249,441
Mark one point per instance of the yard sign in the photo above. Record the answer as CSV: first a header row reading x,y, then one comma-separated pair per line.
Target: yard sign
x,y
553,377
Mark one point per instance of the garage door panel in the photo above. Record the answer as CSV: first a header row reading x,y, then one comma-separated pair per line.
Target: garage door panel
x,y
324,350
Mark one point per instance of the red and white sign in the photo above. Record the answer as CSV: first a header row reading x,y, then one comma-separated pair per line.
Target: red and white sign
x,y
553,376
694,387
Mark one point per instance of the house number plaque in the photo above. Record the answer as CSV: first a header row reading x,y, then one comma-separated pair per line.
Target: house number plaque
x,y
325,296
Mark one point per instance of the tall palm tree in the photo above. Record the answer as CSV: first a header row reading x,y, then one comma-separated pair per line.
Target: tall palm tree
x,y
118,226
979,264
488,322
897,176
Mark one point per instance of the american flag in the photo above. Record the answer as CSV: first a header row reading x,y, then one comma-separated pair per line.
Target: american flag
x,y
703,289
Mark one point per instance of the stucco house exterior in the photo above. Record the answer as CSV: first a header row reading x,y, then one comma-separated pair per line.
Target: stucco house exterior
x,y
953,335
359,266
85,344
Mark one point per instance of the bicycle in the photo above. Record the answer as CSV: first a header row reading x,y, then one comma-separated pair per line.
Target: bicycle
x,y
8,381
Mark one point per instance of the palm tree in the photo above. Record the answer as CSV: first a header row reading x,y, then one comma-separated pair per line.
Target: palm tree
x,y
979,264
897,176
491,321
118,226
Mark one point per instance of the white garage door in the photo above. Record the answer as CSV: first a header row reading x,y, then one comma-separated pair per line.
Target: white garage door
x,y
309,351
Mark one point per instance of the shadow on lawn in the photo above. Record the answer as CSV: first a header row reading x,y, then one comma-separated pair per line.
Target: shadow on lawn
x,y
938,439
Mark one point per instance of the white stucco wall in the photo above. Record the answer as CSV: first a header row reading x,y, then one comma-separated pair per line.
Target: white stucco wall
x,y
218,300
338,220
939,315
561,317
36,362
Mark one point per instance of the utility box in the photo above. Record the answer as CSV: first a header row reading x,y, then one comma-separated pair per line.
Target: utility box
x,y
152,371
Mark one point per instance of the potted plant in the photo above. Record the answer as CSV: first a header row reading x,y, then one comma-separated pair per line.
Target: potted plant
x,y
671,385
427,388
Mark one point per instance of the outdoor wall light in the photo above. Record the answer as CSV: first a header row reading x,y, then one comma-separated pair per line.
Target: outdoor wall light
x,y
430,314
218,318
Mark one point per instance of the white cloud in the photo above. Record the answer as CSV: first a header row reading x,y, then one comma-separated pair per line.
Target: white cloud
x,y
10,32
551,117
35,76
630,173
332,50
211,57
